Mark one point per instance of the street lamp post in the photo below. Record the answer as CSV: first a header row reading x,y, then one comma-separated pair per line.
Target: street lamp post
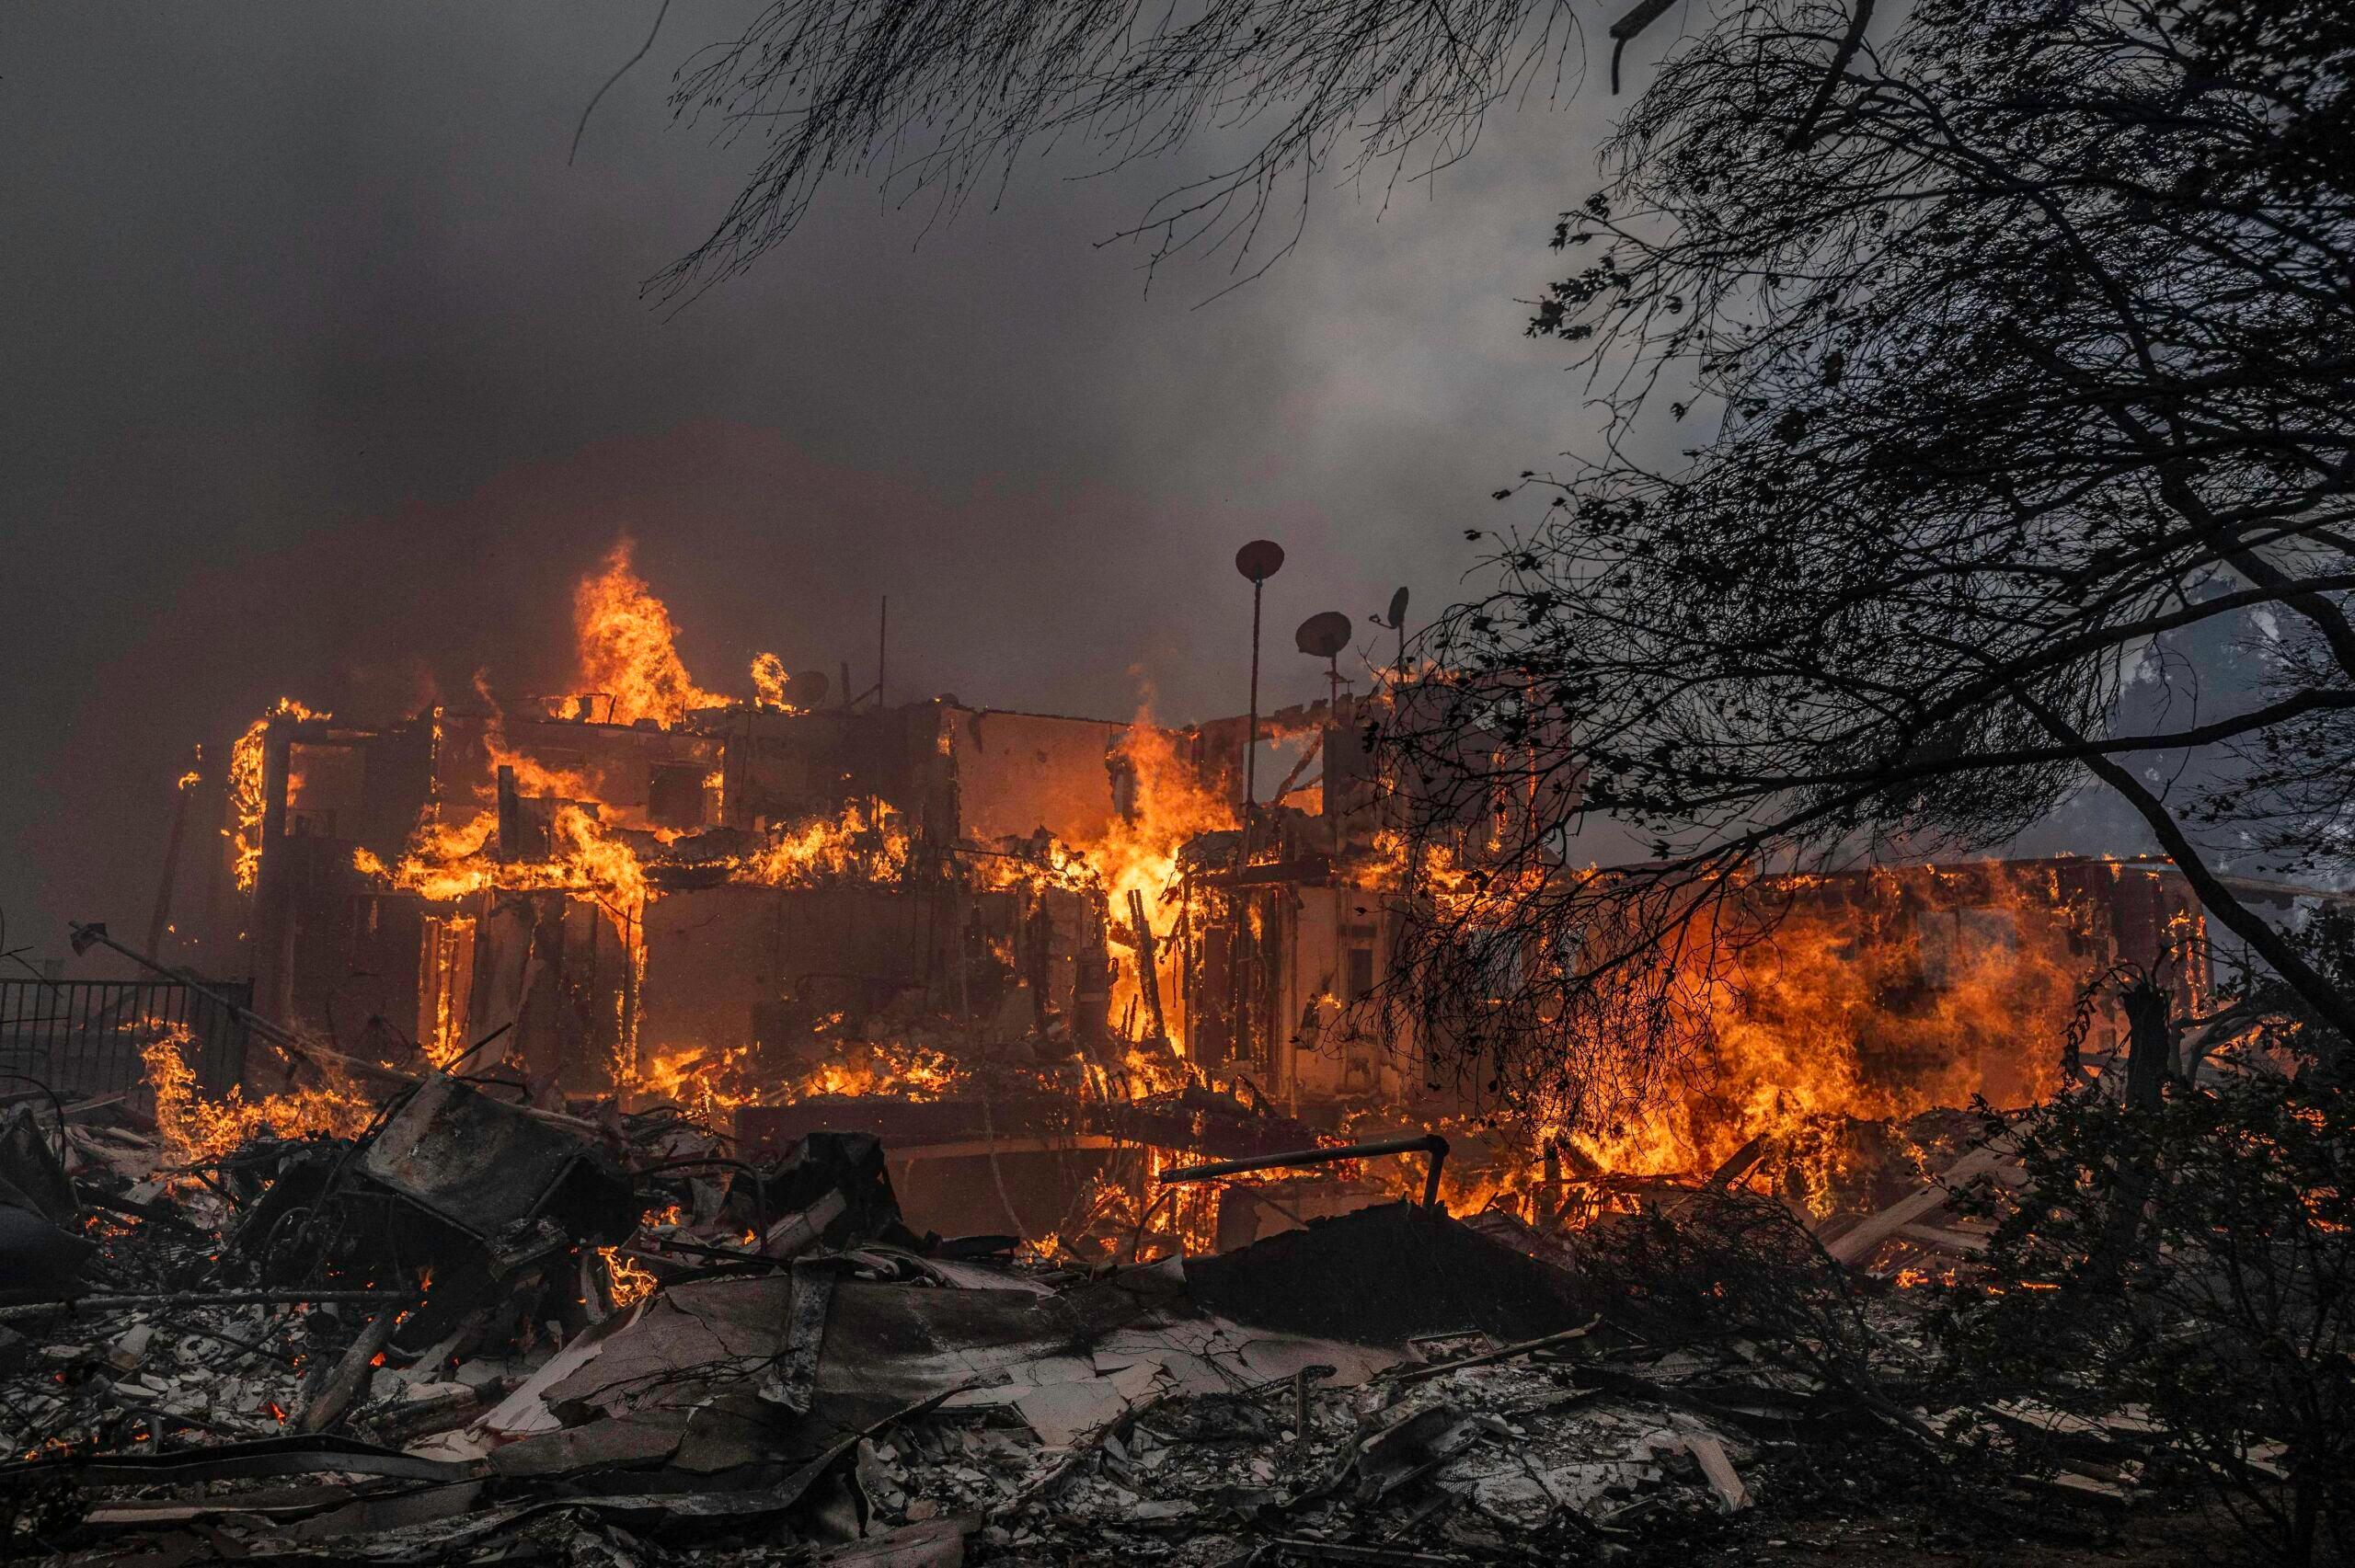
x,y
1260,560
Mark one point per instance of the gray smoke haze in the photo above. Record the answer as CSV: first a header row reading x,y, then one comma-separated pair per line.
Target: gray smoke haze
x,y
323,375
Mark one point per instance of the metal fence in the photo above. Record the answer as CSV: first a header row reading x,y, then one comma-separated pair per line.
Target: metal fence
x,y
85,1036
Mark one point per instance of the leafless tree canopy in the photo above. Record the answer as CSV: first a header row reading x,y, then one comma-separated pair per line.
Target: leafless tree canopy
x,y
939,98
2033,345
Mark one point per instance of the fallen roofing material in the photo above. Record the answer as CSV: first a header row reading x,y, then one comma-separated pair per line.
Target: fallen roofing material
x,y
368,1350
484,1166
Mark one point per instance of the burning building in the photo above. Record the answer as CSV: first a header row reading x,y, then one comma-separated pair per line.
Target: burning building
x,y
650,891
630,896
998,936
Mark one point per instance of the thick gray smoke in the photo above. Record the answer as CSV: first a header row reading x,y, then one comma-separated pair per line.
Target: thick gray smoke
x,y
324,376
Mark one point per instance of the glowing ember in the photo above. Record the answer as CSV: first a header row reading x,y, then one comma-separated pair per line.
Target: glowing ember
x,y
882,1066
714,1085
694,1078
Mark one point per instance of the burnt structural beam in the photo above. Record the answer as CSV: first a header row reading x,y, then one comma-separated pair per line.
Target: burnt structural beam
x,y
1148,964
1429,1143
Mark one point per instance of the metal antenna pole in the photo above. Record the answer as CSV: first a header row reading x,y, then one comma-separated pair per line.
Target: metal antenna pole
x,y
1332,794
1251,745
1239,1034
882,647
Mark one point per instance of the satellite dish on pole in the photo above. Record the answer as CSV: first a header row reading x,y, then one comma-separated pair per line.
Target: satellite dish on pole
x,y
809,688
1396,621
1325,636
1260,560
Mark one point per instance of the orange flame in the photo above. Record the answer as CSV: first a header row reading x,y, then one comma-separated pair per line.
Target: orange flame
x,y
1140,854
694,1078
248,757
628,646
195,1128
770,680
714,1085
1876,1010
628,1281
868,839
880,1067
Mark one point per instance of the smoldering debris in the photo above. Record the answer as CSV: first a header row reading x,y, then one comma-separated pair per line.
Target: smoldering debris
x,y
478,1331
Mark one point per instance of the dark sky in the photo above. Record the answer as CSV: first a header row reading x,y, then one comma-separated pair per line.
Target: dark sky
x,y
324,376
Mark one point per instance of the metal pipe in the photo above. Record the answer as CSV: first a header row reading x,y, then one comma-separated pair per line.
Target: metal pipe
x,y
304,1053
1429,1143
1240,1039
1251,733
84,937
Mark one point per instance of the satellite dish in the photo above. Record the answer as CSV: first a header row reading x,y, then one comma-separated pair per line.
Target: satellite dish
x,y
1260,559
809,688
1325,636
1396,622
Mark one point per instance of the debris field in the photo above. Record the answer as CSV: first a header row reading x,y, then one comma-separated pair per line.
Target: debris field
x,y
481,1332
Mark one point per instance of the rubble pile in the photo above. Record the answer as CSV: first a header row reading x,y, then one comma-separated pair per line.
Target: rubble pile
x,y
482,1332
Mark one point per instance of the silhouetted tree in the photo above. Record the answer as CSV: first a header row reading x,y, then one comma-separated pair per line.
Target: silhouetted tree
x,y
2022,346
939,98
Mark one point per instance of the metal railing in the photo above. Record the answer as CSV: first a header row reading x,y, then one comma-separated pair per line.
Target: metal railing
x,y
86,1036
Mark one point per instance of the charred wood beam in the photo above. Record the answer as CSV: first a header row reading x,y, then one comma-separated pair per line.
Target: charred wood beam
x,y
1312,870
334,1395
795,1377
423,1418
1429,1143
1148,964
261,1456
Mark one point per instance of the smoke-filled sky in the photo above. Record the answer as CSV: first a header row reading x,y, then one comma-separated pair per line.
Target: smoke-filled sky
x,y
323,375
